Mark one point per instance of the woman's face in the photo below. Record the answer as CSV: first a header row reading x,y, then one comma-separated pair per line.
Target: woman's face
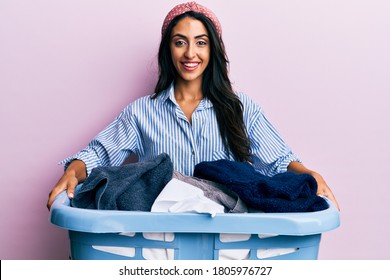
x,y
190,49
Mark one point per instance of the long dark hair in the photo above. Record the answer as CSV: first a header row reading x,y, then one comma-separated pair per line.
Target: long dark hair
x,y
216,86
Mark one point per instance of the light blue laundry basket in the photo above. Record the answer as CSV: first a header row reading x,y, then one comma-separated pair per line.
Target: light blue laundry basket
x,y
108,234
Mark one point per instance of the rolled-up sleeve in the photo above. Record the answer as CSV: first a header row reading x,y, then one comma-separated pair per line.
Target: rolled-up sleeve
x,y
271,155
112,145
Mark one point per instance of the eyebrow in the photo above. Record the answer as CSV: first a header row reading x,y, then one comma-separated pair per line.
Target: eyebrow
x,y
185,37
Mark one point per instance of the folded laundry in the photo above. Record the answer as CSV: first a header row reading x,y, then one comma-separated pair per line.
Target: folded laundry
x,y
132,187
284,192
178,197
215,192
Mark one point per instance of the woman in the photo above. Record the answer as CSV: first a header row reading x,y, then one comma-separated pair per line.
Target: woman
x,y
193,116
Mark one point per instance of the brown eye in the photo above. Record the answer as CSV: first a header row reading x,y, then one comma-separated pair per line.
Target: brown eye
x,y
179,43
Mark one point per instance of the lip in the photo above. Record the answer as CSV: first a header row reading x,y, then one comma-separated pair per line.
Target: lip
x,y
190,65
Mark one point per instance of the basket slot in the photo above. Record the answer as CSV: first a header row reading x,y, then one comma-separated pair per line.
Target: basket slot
x,y
116,250
276,247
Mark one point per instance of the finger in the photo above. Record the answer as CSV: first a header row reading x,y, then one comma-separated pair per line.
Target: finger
x,y
72,184
49,203
52,195
70,193
61,186
331,197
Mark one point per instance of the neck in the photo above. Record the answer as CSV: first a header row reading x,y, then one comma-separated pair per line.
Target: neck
x,y
188,90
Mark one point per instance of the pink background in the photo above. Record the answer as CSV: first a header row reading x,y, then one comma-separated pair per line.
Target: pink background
x,y
320,69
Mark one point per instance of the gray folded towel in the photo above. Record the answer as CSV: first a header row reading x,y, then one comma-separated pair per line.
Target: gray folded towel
x,y
216,192
132,187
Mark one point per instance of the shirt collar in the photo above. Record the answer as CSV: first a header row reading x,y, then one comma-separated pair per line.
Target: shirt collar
x,y
169,94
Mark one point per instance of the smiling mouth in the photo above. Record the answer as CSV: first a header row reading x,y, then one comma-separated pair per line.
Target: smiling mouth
x,y
190,66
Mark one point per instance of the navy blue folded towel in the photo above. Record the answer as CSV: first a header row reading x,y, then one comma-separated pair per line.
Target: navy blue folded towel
x,y
132,187
284,192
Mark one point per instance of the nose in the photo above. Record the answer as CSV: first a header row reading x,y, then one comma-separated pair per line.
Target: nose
x,y
190,51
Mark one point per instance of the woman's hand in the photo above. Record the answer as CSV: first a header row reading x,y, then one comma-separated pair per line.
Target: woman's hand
x,y
74,174
323,189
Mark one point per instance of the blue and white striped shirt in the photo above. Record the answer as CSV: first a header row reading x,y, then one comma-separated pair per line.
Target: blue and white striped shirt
x,y
149,127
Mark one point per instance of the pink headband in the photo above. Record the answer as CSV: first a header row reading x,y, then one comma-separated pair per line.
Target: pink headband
x,y
187,7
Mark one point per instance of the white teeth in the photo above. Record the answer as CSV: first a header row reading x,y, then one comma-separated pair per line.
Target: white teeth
x,y
190,64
